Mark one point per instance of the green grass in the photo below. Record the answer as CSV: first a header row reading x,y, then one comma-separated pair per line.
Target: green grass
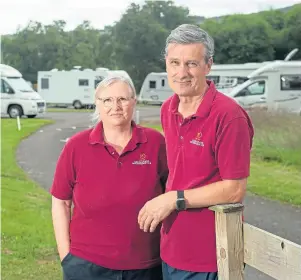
x,y
276,157
28,245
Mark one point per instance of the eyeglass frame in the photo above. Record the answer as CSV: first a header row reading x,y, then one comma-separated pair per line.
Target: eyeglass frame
x,y
117,100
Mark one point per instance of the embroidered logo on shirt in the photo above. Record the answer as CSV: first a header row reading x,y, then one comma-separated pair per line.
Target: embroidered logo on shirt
x,y
142,161
197,140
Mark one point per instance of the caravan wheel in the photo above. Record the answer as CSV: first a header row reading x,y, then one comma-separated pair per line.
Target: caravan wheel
x,y
77,104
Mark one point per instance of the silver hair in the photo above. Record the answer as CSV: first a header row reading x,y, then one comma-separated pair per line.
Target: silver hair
x,y
111,79
190,34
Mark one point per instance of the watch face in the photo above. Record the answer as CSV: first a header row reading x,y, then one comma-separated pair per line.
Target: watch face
x,y
181,205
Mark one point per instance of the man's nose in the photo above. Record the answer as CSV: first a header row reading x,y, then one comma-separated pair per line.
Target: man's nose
x,y
182,71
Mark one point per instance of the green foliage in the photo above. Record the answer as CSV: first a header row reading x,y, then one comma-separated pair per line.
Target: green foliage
x,y
136,42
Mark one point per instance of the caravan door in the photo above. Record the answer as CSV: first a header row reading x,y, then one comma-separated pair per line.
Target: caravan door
x,y
254,93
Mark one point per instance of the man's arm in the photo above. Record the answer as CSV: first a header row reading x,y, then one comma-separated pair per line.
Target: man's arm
x,y
232,154
222,192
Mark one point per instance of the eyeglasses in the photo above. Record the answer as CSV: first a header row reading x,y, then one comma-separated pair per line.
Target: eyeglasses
x,y
109,101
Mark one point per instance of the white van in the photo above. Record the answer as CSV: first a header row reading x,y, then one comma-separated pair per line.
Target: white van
x,y
276,85
17,97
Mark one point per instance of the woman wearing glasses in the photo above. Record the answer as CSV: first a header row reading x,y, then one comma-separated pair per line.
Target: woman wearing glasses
x,y
108,173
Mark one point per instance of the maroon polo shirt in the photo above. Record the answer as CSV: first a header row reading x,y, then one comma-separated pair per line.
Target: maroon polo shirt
x,y
212,145
108,190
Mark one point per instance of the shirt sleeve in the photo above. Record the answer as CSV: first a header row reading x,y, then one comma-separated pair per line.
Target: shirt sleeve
x,y
162,165
64,176
233,149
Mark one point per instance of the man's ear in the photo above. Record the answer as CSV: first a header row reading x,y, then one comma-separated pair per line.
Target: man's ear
x,y
209,65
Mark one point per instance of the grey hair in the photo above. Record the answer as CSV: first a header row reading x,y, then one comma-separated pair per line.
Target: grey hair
x,y
106,82
190,34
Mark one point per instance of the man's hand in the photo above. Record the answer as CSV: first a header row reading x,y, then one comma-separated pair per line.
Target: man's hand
x,y
156,210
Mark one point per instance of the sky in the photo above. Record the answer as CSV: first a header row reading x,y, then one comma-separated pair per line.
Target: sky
x,y
18,13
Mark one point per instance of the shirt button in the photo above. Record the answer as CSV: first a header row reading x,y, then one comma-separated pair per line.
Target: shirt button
x,y
181,137
113,153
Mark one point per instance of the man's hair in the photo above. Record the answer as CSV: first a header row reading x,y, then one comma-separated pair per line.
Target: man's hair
x,y
190,34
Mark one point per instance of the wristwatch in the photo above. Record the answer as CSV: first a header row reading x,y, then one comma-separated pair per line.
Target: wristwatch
x,y
180,203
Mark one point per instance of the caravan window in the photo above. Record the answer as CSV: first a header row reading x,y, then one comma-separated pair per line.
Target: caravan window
x,y
97,81
257,88
83,82
290,82
162,83
152,84
44,83
215,79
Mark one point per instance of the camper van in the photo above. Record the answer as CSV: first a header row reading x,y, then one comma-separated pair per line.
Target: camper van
x,y
155,88
75,87
17,97
227,76
276,85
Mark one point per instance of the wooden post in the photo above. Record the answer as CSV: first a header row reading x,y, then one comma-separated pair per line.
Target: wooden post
x,y
229,241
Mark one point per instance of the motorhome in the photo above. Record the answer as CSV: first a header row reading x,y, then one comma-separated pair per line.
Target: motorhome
x,y
226,77
276,85
155,88
75,87
17,97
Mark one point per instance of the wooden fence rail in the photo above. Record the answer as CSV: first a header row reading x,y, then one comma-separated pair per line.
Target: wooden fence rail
x,y
239,243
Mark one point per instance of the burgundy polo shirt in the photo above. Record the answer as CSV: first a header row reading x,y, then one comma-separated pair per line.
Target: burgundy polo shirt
x,y
108,191
212,145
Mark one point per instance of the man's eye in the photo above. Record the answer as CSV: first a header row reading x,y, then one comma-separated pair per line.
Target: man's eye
x,y
174,62
192,64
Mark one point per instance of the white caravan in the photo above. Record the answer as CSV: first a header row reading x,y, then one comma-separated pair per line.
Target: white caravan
x,y
226,77
75,87
17,97
155,88
276,85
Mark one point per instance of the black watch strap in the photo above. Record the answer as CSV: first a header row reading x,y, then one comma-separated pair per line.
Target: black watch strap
x,y
181,203
180,194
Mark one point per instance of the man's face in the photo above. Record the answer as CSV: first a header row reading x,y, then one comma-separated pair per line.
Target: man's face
x,y
186,68
115,104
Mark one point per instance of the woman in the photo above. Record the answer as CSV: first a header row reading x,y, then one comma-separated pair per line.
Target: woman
x,y
109,172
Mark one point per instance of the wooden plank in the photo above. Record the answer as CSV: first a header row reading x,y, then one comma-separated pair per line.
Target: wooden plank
x,y
229,245
271,254
227,208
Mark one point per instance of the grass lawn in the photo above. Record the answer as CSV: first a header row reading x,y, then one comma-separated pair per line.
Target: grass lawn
x,y
28,245
276,157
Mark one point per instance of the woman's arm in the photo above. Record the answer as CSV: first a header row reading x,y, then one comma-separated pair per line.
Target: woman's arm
x,y
61,216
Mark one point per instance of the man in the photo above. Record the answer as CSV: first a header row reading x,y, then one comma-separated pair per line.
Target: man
x,y
208,139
